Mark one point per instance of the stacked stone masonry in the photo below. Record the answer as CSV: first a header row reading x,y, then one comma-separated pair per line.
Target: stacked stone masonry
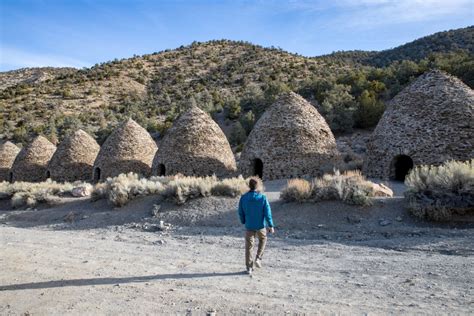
x,y
129,148
290,140
31,163
428,122
8,153
74,158
194,146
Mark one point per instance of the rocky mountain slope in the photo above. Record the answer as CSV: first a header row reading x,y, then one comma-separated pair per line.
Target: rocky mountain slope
x,y
31,75
441,42
234,81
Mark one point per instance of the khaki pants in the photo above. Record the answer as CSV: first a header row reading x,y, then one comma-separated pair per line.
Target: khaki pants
x,y
250,242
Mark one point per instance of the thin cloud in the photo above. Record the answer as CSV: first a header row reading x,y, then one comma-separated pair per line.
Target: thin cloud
x,y
12,58
373,13
380,12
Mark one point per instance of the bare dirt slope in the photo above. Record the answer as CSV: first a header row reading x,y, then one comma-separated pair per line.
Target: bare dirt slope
x,y
324,258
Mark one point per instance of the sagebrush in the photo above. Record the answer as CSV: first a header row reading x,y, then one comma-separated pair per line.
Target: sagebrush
x,y
438,192
179,189
351,187
31,194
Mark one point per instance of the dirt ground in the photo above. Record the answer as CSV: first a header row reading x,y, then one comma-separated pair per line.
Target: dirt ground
x,y
85,257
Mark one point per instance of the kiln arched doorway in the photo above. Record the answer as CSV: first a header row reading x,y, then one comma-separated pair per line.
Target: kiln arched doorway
x,y
257,168
401,165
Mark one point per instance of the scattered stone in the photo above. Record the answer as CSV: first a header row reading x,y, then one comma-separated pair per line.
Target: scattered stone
x,y
353,219
398,218
81,191
381,190
70,217
211,312
150,227
384,222
156,210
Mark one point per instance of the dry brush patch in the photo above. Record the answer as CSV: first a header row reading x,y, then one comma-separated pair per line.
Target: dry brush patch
x,y
351,187
438,192
31,194
179,189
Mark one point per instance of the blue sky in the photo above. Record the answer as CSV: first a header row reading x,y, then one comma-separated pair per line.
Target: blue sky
x,y
80,33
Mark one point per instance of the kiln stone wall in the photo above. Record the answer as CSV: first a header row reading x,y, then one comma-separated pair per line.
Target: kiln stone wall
x,y
129,148
8,153
194,146
430,121
74,158
31,163
292,140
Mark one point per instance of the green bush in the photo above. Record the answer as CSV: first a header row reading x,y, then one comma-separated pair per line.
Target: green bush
x,y
438,192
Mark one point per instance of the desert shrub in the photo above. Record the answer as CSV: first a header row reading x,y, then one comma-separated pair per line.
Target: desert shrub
x,y
351,161
31,199
99,192
230,187
31,194
296,190
179,189
438,192
350,187
125,187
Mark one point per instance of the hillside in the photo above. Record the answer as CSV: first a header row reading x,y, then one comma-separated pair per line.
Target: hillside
x,y
234,81
213,74
441,42
30,75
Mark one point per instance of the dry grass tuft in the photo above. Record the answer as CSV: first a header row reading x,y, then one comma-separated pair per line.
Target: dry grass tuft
x,y
438,192
31,194
179,189
296,190
350,187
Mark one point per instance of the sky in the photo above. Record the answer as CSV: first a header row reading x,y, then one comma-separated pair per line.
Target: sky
x,y
81,33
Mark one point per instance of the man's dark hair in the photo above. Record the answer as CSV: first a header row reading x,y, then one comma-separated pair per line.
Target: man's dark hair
x,y
253,184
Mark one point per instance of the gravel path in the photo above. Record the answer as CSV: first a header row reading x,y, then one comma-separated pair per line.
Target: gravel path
x,y
325,258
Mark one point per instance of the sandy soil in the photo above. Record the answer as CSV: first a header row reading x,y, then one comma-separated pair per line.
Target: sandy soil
x,y
88,258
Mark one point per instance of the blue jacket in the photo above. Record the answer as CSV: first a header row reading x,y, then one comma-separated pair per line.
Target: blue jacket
x,y
255,211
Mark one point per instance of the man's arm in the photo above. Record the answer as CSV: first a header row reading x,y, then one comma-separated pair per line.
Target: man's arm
x,y
241,212
267,213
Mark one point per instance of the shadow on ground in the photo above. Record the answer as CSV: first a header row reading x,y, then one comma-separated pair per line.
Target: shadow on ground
x,y
114,281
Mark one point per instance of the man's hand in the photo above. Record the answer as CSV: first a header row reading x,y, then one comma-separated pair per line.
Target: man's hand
x,y
271,230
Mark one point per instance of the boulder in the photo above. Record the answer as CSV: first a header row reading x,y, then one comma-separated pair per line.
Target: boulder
x,y
81,191
381,190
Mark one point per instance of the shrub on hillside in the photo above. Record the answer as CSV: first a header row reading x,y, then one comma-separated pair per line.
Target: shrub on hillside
x,y
350,187
438,192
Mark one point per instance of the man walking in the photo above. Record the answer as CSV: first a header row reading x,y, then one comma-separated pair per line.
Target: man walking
x,y
255,213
